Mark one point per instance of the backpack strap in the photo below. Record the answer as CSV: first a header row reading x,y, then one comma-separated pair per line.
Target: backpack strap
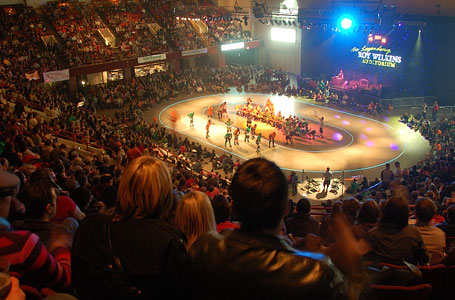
x,y
134,291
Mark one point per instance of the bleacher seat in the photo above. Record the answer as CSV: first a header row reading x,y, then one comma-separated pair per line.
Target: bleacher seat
x,y
391,292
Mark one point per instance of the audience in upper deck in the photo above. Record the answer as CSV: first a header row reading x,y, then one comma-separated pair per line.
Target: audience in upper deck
x,y
56,186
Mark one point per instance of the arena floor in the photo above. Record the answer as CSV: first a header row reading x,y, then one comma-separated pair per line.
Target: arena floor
x,y
354,144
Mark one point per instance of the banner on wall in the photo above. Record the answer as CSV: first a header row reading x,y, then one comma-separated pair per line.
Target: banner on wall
x,y
151,58
377,56
194,52
55,76
32,76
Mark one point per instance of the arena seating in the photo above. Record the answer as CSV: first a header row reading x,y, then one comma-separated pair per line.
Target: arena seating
x,y
41,127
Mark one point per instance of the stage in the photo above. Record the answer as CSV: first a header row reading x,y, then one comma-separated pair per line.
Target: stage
x,y
352,144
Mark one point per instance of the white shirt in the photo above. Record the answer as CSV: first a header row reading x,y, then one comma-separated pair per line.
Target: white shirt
x,y
327,176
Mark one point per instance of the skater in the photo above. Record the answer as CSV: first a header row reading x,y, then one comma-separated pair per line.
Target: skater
x,y
227,138
236,136
224,110
247,134
272,139
258,143
287,133
191,115
249,119
207,128
424,111
311,133
321,124
229,125
209,112
253,131
220,113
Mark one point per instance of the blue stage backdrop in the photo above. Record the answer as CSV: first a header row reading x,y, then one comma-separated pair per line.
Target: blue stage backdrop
x,y
410,63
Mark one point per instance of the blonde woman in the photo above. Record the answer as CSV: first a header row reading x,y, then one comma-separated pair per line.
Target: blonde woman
x,y
194,216
150,250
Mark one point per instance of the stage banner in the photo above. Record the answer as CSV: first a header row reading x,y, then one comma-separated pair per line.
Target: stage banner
x,y
55,76
32,76
194,52
150,58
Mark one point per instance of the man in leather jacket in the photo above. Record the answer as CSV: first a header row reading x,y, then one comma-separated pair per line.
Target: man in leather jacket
x,y
255,262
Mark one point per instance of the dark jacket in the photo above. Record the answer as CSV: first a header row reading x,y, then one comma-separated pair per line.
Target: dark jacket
x,y
258,266
151,252
448,228
392,245
301,224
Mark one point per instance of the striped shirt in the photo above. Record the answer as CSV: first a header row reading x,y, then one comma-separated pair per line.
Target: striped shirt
x,y
32,263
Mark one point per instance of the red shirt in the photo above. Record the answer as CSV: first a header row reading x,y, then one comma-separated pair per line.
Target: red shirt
x,y
65,208
226,225
133,153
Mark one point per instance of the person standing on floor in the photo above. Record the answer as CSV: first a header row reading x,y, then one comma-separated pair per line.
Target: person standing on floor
x,y
293,180
424,111
434,111
247,134
209,112
191,116
236,136
229,125
321,124
207,128
272,139
327,177
227,139
258,143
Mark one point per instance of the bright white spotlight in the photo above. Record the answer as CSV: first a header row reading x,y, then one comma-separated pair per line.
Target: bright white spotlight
x,y
346,23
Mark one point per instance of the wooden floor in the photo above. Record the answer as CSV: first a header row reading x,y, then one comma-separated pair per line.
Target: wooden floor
x,y
355,144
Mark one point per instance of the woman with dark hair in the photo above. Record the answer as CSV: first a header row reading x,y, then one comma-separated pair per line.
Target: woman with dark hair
x,y
393,241
367,218
222,210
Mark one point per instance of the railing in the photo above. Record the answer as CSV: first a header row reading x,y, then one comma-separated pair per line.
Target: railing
x,y
359,96
77,138
407,102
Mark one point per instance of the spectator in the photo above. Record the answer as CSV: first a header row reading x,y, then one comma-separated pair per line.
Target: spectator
x,y
393,241
350,208
398,173
82,195
151,251
255,259
25,251
194,216
448,226
433,237
68,213
41,206
222,211
302,223
367,218
386,176
353,188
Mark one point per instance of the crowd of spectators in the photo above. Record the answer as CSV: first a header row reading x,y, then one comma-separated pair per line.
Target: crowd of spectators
x,y
77,24
132,26
139,30
22,50
164,211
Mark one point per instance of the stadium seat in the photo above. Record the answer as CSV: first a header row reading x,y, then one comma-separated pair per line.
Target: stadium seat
x,y
449,241
432,275
390,292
